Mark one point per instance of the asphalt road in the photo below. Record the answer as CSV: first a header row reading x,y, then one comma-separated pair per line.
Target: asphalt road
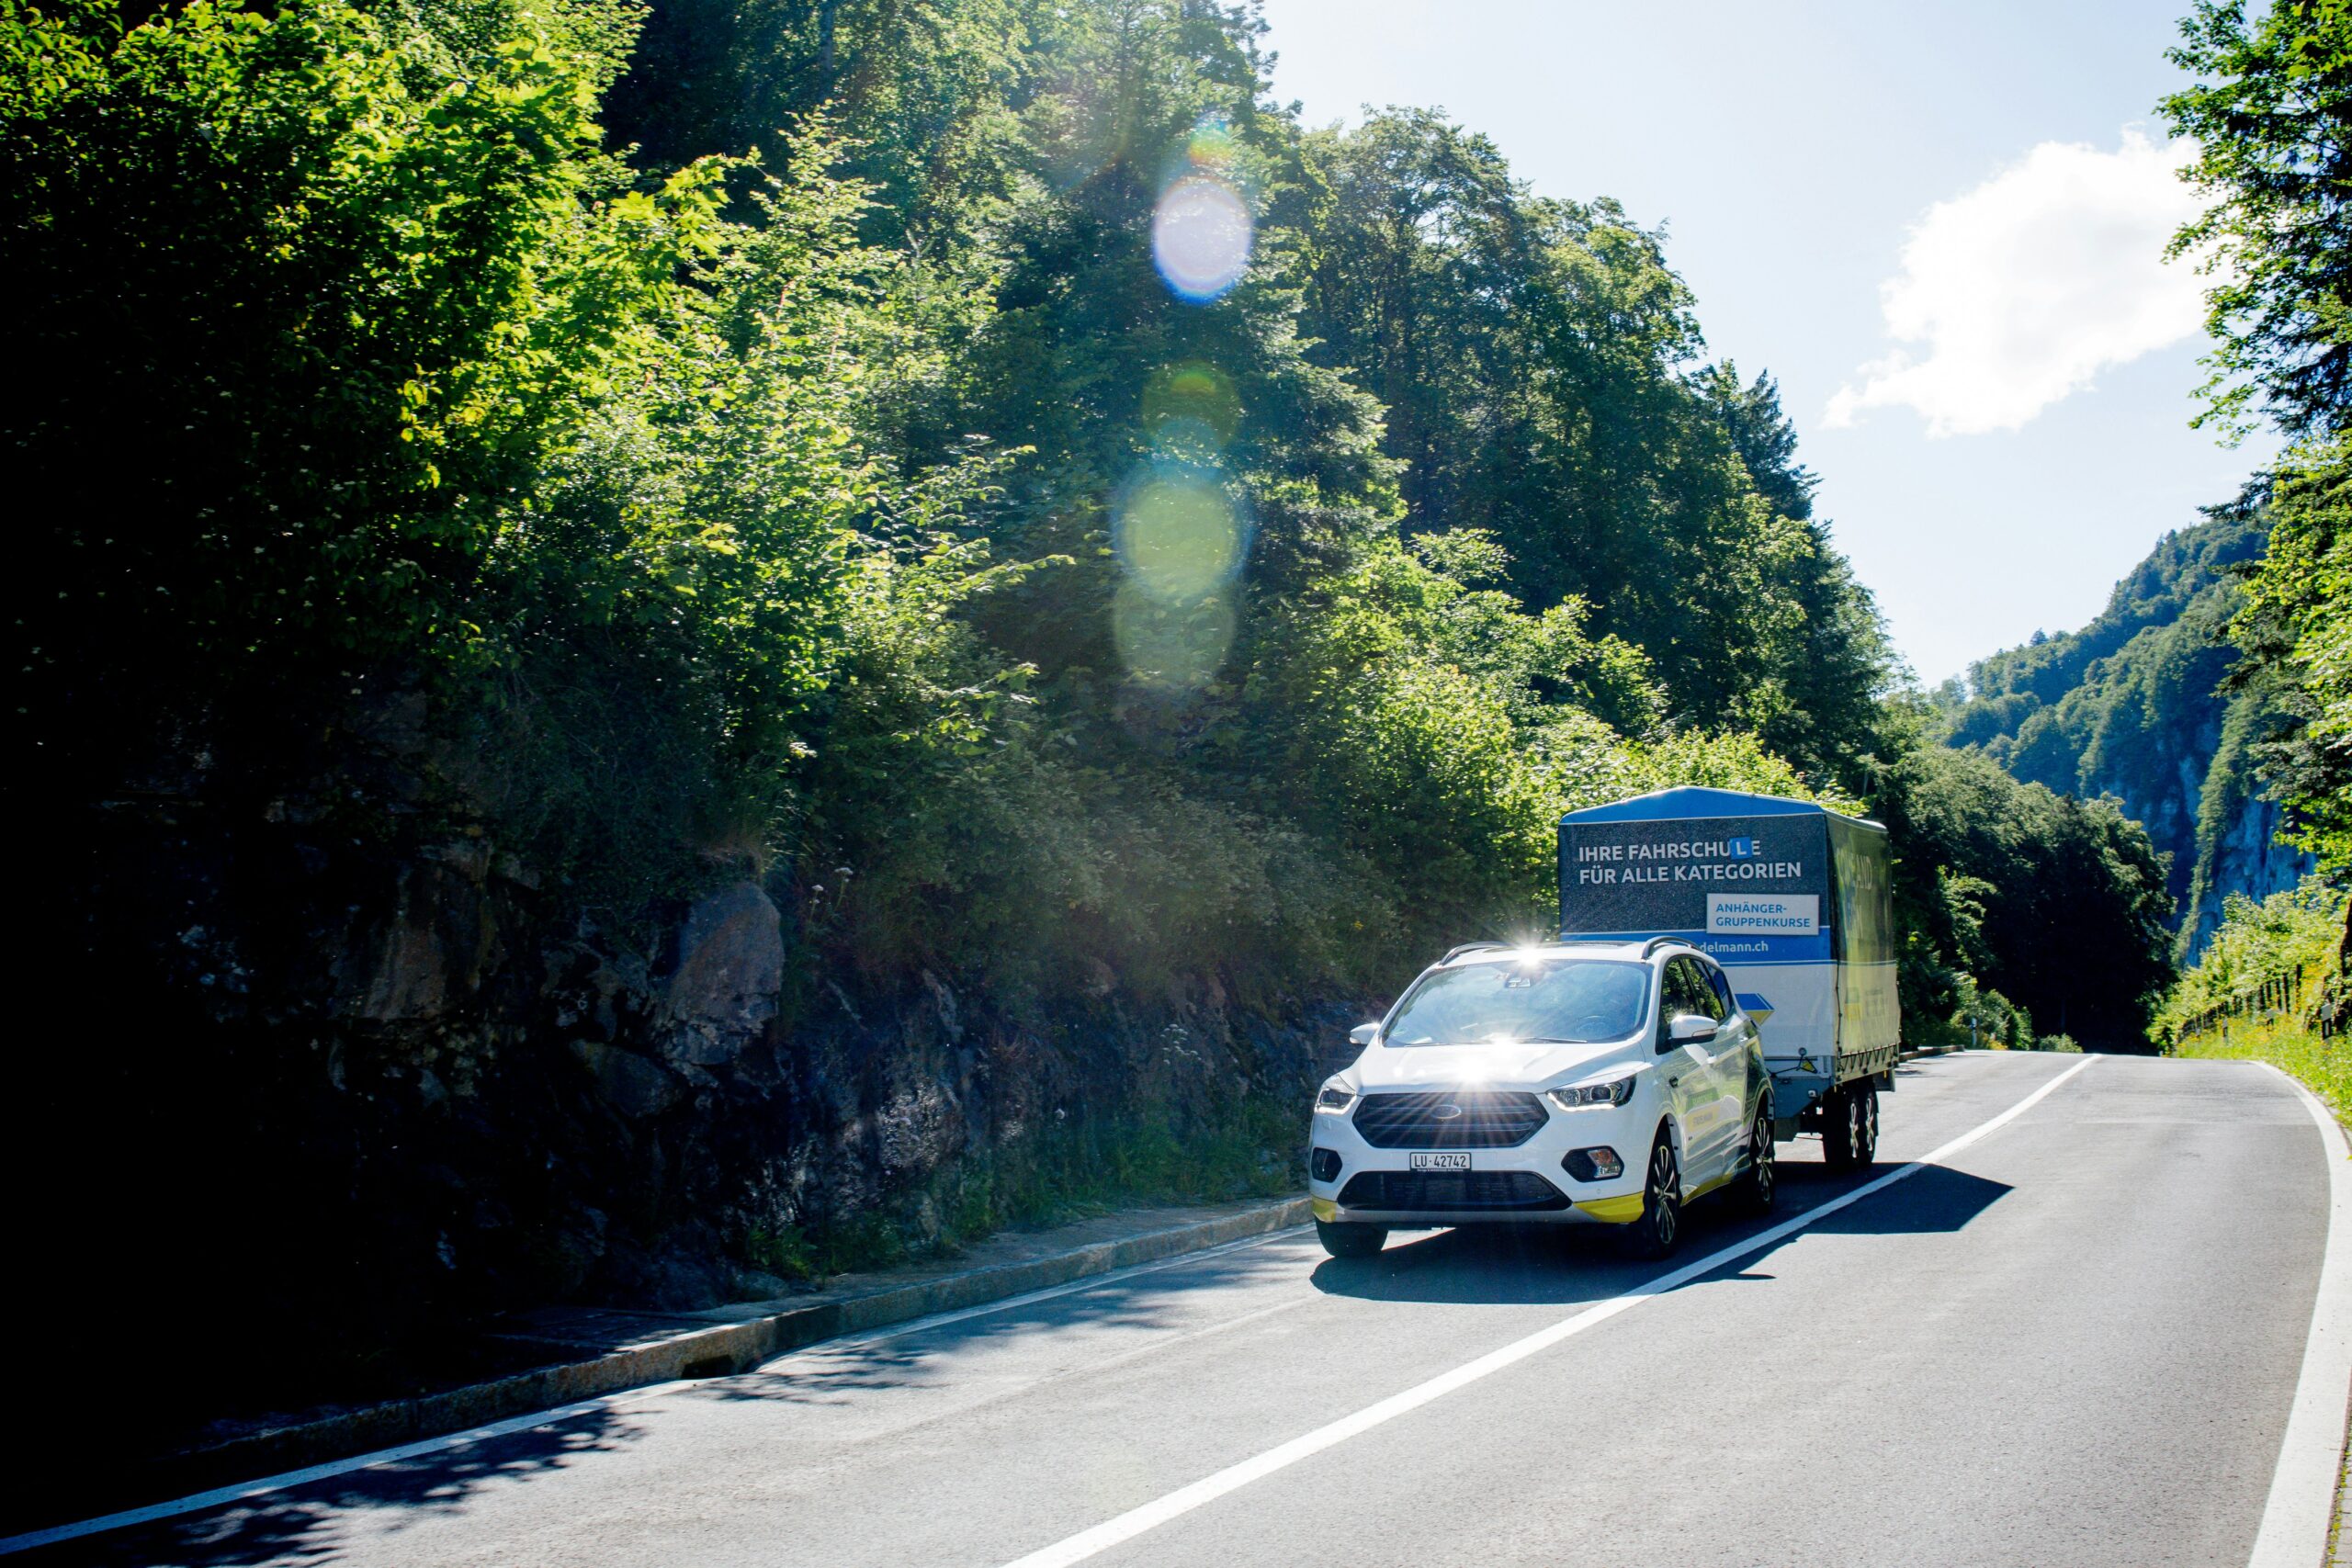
x,y
2076,1340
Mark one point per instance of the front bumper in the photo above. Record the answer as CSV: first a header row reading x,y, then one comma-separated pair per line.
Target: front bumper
x,y
1529,1170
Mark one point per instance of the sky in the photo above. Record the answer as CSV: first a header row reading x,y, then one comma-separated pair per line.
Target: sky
x,y
1938,225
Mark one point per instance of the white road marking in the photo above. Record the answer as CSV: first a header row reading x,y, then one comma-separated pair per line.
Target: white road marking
x,y
1183,1500
622,1399
2303,1490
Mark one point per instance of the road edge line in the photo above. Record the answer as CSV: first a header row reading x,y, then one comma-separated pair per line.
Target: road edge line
x,y
2300,1508
752,1344
1149,1516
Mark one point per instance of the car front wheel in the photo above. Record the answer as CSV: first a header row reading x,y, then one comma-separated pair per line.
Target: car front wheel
x,y
1351,1241
1660,1227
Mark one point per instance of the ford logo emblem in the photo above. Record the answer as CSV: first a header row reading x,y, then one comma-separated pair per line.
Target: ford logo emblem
x,y
1446,1112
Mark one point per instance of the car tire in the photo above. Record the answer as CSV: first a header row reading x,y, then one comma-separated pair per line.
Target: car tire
x,y
1351,1241
1838,1130
1865,1123
1758,1188
1655,1233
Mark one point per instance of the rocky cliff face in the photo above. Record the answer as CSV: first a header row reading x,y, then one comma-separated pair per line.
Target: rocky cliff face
x,y
334,1073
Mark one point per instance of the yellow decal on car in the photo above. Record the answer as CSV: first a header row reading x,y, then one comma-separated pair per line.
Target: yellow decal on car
x,y
1326,1209
1616,1211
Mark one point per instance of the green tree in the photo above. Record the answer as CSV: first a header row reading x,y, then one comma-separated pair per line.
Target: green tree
x,y
2269,114
314,291
2297,633
2057,903
1531,356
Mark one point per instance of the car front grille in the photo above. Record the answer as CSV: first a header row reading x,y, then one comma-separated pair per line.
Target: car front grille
x,y
1434,1191
1467,1119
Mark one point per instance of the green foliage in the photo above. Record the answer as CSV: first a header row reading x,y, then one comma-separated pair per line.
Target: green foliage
x,y
674,590
2268,114
2272,976
2056,903
1529,354
316,289
2297,633
2289,937
1719,760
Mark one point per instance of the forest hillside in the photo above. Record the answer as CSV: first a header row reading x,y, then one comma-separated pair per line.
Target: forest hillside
x,y
2138,705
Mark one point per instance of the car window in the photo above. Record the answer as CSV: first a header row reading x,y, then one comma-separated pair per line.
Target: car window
x,y
1562,1000
1689,989
1710,1000
1722,984
1685,992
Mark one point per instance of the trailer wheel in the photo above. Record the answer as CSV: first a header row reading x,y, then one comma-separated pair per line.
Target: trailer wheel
x,y
1837,1130
1351,1241
1755,1188
1660,1227
1865,1123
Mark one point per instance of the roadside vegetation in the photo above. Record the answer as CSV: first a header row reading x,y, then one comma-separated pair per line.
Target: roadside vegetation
x,y
2270,987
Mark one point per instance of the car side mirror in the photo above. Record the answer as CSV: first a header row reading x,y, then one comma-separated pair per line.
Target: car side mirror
x,y
1364,1035
1691,1029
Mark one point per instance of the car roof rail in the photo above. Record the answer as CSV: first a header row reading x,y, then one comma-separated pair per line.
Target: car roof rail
x,y
1649,948
1472,947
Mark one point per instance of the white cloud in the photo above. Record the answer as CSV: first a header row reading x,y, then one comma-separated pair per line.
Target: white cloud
x,y
2019,292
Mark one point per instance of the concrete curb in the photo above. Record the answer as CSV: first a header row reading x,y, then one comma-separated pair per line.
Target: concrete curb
x,y
715,1351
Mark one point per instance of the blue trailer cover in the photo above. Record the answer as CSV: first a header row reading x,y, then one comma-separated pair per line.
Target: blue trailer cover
x,y
1791,898
1730,872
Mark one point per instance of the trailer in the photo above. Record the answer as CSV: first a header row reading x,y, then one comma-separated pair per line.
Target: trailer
x,y
1794,902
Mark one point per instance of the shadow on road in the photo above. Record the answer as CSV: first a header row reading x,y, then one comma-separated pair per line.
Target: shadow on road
x,y
299,1525
896,1358
1522,1265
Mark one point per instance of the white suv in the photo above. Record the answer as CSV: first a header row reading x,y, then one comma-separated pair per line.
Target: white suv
x,y
1568,1083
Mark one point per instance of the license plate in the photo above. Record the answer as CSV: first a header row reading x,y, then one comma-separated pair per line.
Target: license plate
x,y
1442,1161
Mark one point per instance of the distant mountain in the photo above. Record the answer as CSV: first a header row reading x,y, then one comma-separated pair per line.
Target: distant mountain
x,y
2130,706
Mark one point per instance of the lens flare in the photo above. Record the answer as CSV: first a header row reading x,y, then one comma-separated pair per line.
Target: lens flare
x,y
1212,145
1173,646
1177,534
1200,237
1191,405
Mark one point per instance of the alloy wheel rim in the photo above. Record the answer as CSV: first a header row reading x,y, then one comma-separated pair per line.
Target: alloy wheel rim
x,y
1662,1193
1763,1160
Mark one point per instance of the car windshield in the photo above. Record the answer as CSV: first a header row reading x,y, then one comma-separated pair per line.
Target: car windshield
x,y
1567,1001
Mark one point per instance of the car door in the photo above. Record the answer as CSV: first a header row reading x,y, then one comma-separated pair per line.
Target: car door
x,y
1725,1079
1693,1077
1736,1063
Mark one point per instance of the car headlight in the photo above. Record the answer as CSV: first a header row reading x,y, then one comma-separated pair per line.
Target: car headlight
x,y
1617,1091
1335,1100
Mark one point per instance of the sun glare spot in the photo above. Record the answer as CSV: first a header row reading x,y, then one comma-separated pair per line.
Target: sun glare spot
x,y
1200,237
1177,535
